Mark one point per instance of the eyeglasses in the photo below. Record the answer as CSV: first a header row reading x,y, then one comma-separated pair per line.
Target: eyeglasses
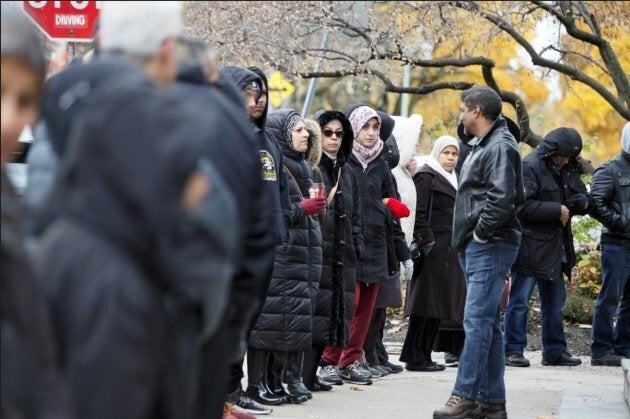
x,y
330,133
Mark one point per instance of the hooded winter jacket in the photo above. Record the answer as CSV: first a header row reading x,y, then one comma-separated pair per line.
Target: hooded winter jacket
x,y
271,158
123,245
285,323
546,246
342,240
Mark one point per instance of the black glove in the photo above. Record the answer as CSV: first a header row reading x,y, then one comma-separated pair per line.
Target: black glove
x,y
578,203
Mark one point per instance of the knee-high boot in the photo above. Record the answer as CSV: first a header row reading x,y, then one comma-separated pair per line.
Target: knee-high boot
x,y
295,385
257,379
275,371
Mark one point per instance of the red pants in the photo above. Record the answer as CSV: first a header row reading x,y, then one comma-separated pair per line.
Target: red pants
x,y
364,299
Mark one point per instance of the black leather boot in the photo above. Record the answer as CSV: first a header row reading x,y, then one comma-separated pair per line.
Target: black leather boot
x,y
275,372
295,385
257,379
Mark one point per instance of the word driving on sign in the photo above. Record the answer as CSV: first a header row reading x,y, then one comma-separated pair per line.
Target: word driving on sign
x,y
72,21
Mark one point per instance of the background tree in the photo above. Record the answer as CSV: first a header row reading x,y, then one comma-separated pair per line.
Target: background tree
x,y
555,63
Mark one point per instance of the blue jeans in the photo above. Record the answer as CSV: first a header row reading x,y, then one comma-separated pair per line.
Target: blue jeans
x,y
482,363
552,296
615,293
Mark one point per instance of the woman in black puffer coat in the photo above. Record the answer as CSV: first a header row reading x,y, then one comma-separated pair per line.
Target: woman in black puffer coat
x,y
343,245
285,323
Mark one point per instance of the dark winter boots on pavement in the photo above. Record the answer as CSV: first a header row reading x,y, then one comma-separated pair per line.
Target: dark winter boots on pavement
x,y
257,385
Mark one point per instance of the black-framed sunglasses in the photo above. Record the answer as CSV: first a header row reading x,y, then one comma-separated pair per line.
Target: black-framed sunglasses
x,y
330,133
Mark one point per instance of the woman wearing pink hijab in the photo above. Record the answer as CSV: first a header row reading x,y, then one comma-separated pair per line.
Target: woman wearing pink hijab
x,y
374,182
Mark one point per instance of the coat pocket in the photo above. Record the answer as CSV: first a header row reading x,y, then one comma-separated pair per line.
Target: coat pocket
x,y
473,209
379,212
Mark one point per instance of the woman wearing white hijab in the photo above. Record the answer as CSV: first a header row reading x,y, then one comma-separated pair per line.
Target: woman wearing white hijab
x,y
437,290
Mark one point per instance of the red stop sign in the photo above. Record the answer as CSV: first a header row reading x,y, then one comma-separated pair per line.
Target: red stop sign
x,y
71,21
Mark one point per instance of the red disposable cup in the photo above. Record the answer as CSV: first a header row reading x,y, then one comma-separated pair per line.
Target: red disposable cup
x,y
320,192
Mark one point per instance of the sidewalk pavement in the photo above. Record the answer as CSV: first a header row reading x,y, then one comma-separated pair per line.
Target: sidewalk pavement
x,y
536,392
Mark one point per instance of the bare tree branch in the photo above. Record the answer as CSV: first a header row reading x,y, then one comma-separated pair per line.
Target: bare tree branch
x,y
583,56
618,75
572,72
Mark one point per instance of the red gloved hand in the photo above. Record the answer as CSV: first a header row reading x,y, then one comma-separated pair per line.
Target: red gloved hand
x,y
398,208
313,206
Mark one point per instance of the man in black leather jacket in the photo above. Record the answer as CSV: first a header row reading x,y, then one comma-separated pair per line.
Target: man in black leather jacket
x,y
610,191
486,234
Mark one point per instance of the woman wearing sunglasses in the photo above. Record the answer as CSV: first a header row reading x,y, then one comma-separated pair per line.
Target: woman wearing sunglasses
x,y
343,245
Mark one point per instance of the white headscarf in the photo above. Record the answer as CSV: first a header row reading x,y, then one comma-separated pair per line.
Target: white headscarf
x,y
441,143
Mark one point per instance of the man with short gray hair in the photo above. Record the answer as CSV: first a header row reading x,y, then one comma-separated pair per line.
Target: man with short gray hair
x,y
145,33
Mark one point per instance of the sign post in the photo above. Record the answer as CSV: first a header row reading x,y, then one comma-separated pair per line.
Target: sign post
x,y
67,21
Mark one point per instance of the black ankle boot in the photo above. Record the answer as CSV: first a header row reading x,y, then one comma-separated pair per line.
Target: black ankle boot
x,y
295,385
257,379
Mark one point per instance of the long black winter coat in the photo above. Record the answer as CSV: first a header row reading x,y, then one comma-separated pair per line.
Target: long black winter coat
x,y
374,183
439,290
341,234
123,245
546,189
271,160
285,323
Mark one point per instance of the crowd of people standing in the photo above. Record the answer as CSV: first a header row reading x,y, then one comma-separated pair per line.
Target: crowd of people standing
x,y
175,230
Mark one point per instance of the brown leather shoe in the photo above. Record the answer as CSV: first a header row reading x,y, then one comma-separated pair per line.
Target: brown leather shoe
x,y
457,407
491,411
